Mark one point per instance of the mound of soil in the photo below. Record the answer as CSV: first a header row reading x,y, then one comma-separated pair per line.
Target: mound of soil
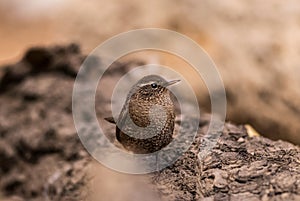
x,y
40,154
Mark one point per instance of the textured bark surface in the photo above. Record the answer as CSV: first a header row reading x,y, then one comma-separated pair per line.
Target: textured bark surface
x,y
42,157
239,167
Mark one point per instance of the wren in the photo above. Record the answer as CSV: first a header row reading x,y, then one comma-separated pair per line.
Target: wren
x,y
147,119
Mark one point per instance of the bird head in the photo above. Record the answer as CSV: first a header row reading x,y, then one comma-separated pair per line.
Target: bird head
x,y
152,86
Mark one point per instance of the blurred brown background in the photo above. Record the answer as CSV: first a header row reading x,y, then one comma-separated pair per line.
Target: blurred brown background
x,y
255,44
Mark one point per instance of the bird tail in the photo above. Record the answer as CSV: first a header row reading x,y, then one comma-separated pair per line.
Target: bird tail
x,y
110,120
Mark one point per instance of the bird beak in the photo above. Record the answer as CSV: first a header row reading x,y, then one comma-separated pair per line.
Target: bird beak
x,y
171,83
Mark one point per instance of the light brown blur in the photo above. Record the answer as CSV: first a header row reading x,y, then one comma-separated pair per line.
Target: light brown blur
x,y
255,45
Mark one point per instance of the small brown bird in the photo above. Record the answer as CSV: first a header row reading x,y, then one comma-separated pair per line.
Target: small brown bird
x,y
146,122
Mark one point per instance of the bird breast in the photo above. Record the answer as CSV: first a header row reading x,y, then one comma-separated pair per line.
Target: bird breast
x,y
152,111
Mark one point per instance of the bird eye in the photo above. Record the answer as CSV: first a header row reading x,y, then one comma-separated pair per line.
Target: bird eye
x,y
154,85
